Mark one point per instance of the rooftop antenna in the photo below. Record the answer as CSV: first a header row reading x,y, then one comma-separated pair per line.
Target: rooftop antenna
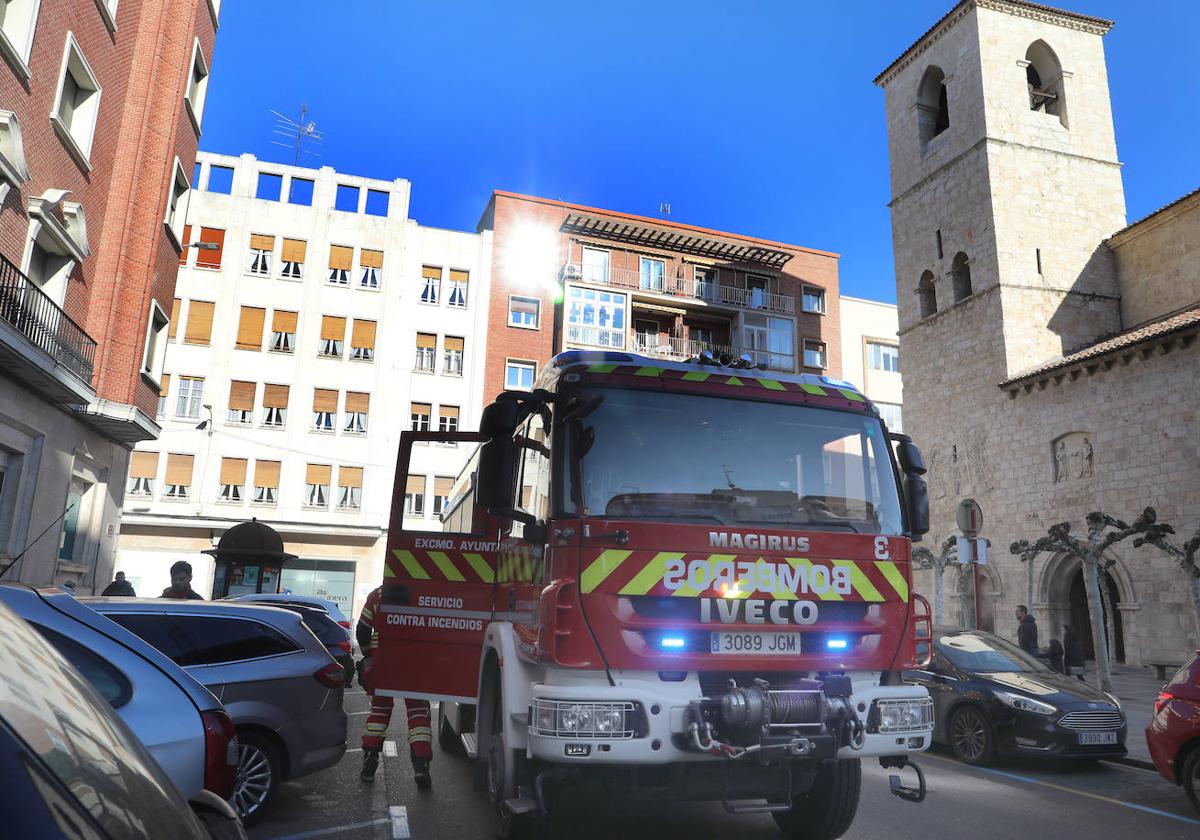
x,y
664,209
297,131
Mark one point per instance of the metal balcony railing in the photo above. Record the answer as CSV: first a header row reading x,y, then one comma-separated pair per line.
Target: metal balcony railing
x,y
677,348
684,287
33,314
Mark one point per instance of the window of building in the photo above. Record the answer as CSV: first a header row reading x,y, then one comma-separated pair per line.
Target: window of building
x,y
184,243
960,272
426,353
50,265
316,492
155,350
18,19
262,249
452,357
346,199
164,389
300,191
891,416
523,312
420,414
211,256
362,340
370,268
814,353
596,317
1044,81
143,470
933,106
333,334
770,340
177,204
458,288
707,283
358,406
377,203
266,482
199,322
197,88
813,299
926,295
431,284
324,410
341,258
173,329
448,418
756,291
441,493
283,331
178,481
275,401
291,258
77,104
645,335
650,275
350,488
220,179
189,396
269,186
595,265
884,357
232,480
250,328
414,496
241,402
519,376
78,500
10,474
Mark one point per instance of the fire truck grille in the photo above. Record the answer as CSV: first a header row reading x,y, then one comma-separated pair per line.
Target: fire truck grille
x,y
687,609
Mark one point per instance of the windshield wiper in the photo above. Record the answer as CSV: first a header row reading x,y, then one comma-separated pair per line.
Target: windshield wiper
x,y
668,515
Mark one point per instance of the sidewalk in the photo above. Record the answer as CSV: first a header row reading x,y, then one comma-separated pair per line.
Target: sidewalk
x,y
1136,688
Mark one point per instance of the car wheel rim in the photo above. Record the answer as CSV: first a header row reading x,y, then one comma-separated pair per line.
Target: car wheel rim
x,y
253,780
970,736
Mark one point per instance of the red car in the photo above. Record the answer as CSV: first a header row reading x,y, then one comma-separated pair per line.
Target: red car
x,y
1174,733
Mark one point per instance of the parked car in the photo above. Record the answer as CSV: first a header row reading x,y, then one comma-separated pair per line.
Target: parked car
x,y
71,767
181,723
334,634
277,681
331,607
1174,732
991,698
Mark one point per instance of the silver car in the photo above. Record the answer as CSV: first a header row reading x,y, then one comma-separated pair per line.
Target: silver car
x,y
277,681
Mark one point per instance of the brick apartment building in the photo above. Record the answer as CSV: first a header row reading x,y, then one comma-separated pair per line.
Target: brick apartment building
x,y
568,276
101,104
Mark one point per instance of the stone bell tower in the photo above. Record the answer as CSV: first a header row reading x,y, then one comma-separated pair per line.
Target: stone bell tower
x,y
1005,183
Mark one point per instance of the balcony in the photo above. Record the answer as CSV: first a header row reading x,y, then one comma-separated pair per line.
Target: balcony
x,y
39,344
681,287
676,348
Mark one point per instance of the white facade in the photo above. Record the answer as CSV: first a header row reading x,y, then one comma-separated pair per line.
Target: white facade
x,y
871,355
322,447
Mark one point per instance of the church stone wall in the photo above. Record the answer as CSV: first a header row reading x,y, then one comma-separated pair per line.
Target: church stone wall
x,y
1158,263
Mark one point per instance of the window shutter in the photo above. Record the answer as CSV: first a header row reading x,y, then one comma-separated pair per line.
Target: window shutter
x,y
233,471
241,395
275,396
453,343
459,276
426,340
283,321
266,474
415,484
431,272
199,322
442,485
250,328
319,473
165,386
211,259
324,400
333,328
143,465
294,250
179,469
449,411
340,256
259,242
350,476
370,259
362,334
357,402
424,409
174,318
187,237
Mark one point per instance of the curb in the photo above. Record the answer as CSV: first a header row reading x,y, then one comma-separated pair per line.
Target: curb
x,y
1140,763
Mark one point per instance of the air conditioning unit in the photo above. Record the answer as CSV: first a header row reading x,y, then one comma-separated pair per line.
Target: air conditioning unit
x,y
572,272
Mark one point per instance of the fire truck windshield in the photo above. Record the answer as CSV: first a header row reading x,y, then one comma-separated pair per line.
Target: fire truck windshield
x,y
687,458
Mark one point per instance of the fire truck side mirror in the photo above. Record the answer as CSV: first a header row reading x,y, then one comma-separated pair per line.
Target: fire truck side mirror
x,y
911,462
497,457
916,496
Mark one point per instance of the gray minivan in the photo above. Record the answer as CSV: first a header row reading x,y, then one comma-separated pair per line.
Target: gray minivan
x,y
275,678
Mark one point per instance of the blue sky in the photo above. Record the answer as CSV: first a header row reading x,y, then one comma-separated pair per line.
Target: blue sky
x,y
753,117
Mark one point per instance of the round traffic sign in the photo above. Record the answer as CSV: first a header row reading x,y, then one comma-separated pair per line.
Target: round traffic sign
x,y
970,518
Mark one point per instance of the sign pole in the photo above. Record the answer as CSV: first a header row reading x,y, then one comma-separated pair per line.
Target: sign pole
x,y
975,574
970,522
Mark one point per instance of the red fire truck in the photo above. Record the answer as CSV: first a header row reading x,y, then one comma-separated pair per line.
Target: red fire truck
x,y
693,576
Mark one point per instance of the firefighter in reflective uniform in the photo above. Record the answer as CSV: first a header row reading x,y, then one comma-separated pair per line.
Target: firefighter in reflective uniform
x,y
420,731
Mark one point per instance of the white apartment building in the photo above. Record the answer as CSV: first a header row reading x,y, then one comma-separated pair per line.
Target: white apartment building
x,y
318,323
871,355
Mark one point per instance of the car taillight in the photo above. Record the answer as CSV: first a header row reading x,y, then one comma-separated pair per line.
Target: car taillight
x,y
344,646
332,675
220,753
345,624
1164,697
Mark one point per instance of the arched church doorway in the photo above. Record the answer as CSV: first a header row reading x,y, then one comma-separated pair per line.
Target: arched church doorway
x,y
1077,598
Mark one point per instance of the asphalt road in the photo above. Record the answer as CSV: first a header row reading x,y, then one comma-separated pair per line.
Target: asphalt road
x,y
1014,799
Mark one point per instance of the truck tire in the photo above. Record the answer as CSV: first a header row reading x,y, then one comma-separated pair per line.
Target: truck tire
x,y
828,809
503,769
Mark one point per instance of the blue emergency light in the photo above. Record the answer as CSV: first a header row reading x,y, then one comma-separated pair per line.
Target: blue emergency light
x,y
837,643
671,642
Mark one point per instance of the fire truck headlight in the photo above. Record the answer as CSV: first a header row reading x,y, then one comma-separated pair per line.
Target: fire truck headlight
x,y
608,720
575,718
905,715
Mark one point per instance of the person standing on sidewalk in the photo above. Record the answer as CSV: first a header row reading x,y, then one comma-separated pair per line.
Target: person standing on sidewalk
x,y
119,587
420,720
1027,637
1072,652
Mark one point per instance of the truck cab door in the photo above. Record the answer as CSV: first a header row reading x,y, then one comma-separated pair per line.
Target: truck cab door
x,y
438,585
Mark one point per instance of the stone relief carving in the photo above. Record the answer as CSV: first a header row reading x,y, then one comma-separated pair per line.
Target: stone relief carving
x,y
1073,457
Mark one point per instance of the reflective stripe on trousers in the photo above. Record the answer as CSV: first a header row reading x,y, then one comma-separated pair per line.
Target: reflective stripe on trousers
x,y
420,725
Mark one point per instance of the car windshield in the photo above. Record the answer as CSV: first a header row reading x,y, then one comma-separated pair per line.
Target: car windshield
x,y
655,455
982,653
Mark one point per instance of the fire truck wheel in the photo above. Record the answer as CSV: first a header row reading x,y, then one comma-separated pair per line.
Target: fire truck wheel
x,y
448,739
503,767
827,810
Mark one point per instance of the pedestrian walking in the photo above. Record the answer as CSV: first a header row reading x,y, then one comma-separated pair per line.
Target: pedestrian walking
x,y
1072,652
181,583
1054,653
119,587
1027,638
420,719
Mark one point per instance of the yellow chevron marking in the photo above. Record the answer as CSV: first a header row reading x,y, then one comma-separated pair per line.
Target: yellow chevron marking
x,y
733,380
411,565
481,568
601,568
771,384
648,371
859,580
601,368
696,376
828,594
817,390
651,574
850,395
446,567
895,577
687,591
387,570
